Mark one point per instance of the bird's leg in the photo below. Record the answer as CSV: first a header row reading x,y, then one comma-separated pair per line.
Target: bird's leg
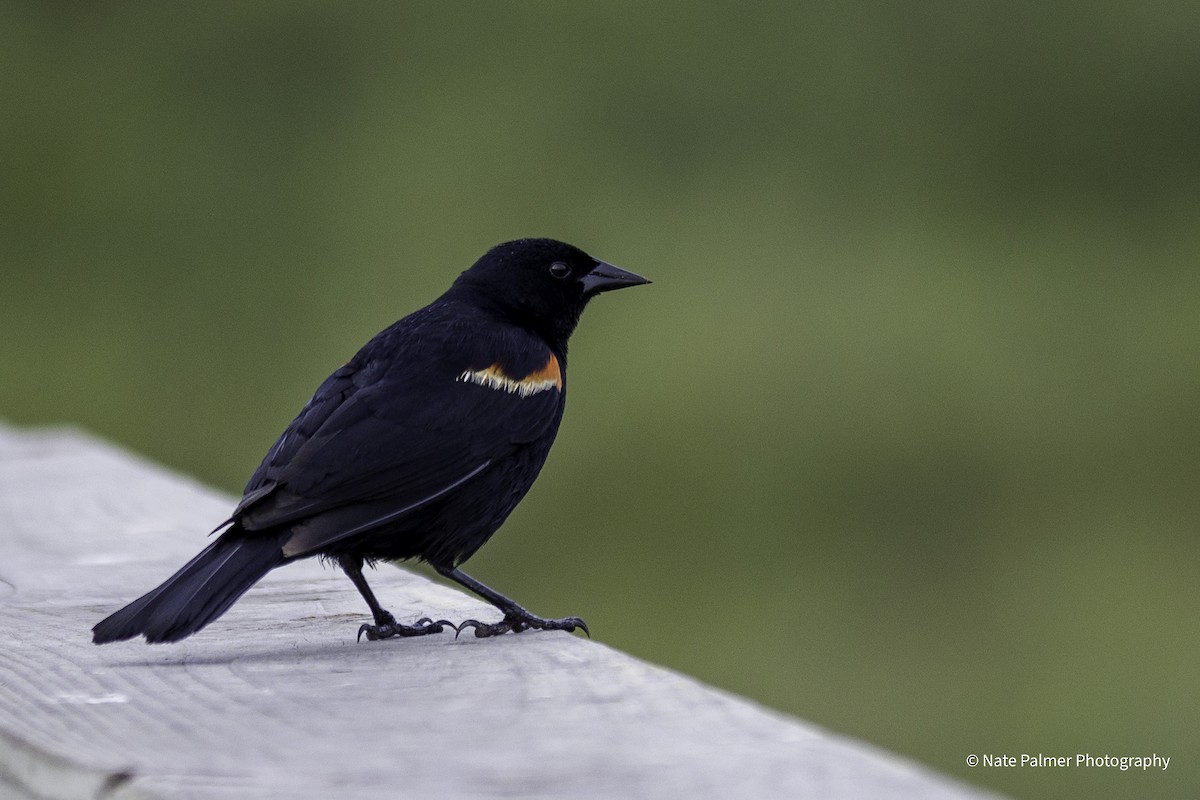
x,y
516,619
385,624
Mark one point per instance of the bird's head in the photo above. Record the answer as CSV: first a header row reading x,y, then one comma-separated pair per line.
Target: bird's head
x,y
541,284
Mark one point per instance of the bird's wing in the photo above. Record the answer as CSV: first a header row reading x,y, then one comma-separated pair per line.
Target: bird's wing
x,y
328,398
373,445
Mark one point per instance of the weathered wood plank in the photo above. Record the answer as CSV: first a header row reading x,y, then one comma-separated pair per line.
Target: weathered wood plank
x,y
278,700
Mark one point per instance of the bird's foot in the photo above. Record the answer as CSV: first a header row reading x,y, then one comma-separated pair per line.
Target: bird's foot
x,y
517,622
387,627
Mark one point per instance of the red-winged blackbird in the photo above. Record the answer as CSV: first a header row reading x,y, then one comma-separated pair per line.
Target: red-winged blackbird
x,y
419,447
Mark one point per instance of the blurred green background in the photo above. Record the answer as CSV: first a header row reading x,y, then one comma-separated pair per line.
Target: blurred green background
x,y
904,438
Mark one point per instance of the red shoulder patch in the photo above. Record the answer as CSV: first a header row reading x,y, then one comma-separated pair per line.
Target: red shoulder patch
x,y
540,380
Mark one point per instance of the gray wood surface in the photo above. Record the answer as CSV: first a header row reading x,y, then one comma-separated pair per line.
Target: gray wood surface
x,y
277,699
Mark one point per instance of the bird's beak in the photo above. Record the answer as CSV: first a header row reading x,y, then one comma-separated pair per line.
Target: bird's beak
x,y
604,277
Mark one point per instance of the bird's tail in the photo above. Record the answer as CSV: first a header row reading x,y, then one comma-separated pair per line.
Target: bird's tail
x,y
198,593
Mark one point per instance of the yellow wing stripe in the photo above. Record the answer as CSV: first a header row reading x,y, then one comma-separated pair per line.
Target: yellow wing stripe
x,y
494,377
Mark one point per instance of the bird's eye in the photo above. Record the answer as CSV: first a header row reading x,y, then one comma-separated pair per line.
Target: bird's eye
x,y
559,270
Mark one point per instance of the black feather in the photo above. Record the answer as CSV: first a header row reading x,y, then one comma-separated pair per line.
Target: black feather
x,y
198,593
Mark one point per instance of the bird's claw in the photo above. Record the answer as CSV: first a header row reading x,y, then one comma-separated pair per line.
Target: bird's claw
x,y
517,623
387,630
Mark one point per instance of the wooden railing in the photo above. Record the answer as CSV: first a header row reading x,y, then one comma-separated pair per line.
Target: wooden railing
x,y
278,700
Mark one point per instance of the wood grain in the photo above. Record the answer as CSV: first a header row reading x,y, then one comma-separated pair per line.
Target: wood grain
x,y
277,699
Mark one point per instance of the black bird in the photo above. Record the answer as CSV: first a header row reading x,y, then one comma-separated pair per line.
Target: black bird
x,y
419,447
